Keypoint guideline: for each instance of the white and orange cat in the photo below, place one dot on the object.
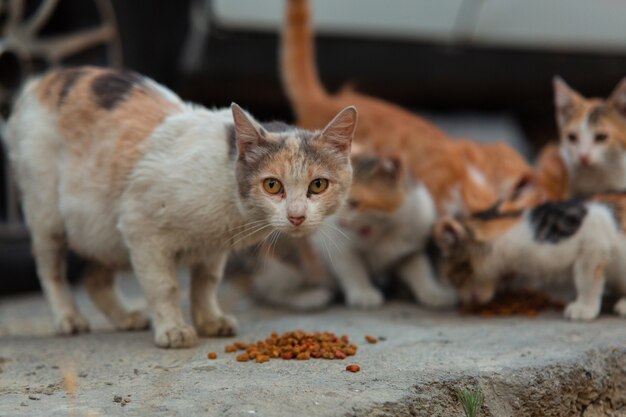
(462, 176)
(381, 231)
(579, 240)
(591, 155)
(120, 170)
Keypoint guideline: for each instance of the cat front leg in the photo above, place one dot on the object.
(208, 318)
(418, 274)
(355, 280)
(589, 279)
(156, 271)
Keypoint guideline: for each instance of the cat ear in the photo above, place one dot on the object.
(449, 234)
(248, 133)
(565, 99)
(340, 131)
(617, 99)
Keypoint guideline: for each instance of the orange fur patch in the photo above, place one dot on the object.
(91, 130)
(487, 231)
(375, 196)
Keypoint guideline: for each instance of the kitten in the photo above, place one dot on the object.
(592, 139)
(583, 240)
(462, 176)
(120, 170)
(383, 229)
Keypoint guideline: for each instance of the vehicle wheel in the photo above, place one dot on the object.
(36, 35)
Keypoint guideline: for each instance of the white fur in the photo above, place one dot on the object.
(597, 244)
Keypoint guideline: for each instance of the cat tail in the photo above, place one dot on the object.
(299, 75)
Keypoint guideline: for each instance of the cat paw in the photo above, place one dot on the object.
(312, 299)
(620, 307)
(134, 320)
(224, 326)
(581, 311)
(72, 324)
(440, 298)
(365, 298)
(182, 336)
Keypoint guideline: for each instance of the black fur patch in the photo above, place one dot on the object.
(69, 78)
(112, 88)
(557, 221)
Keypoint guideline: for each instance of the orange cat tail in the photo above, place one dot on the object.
(552, 173)
(298, 70)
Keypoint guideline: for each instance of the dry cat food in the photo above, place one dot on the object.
(353, 368)
(524, 302)
(212, 355)
(371, 339)
(298, 345)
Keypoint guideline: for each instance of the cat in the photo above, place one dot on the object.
(117, 168)
(382, 229)
(592, 141)
(462, 176)
(581, 239)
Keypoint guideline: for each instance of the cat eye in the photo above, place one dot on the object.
(272, 185)
(318, 185)
(600, 137)
(572, 137)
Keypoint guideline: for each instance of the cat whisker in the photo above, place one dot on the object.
(275, 241)
(245, 226)
(256, 230)
(337, 247)
(247, 229)
(341, 232)
(324, 238)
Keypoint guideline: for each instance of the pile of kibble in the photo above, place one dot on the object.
(521, 302)
(299, 345)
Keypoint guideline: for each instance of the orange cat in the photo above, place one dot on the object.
(463, 176)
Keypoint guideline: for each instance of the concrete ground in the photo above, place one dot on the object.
(526, 367)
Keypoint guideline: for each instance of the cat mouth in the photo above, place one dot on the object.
(365, 231)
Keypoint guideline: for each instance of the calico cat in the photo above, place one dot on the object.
(462, 176)
(582, 239)
(120, 170)
(592, 140)
(382, 229)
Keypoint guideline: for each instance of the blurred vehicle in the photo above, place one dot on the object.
(479, 54)
(493, 55)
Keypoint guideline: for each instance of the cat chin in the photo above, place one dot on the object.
(299, 232)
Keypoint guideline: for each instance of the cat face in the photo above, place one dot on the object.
(592, 131)
(378, 190)
(465, 246)
(293, 178)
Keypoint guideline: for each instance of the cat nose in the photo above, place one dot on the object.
(585, 160)
(296, 220)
